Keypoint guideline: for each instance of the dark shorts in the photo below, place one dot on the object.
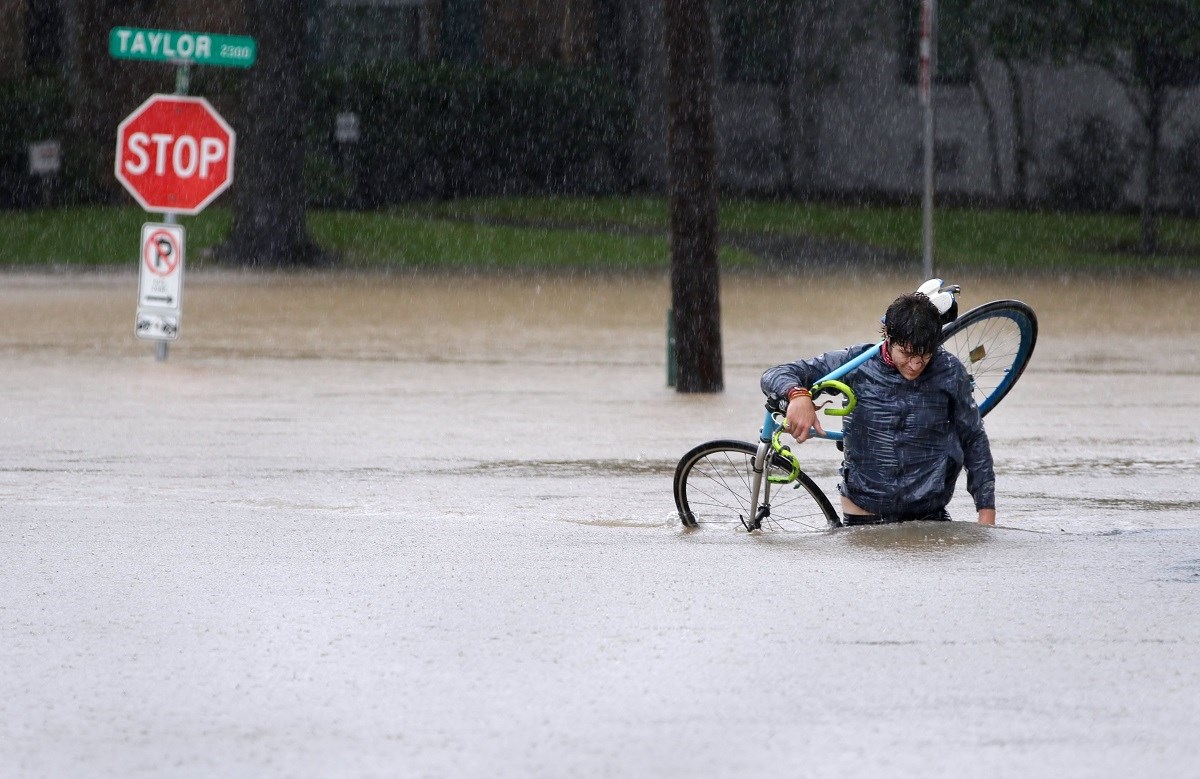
(941, 515)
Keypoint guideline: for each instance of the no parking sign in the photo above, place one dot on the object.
(160, 285)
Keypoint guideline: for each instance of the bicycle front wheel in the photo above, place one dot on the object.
(994, 342)
(713, 483)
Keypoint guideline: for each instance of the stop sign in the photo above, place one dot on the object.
(175, 154)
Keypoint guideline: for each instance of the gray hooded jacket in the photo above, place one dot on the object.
(906, 441)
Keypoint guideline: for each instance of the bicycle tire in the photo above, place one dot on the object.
(994, 343)
(712, 490)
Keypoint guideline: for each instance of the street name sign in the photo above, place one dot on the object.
(160, 282)
(175, 46)
(175, 154)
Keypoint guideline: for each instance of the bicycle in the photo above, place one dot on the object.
(721, 482)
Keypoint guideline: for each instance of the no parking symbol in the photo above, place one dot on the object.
(160, 284)
(162, 249)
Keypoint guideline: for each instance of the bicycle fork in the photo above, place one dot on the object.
(759, 484)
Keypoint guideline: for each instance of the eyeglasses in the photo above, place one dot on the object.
(902, 355)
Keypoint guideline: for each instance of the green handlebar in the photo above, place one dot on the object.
(786, 454)
(835, 387)
(828, 387)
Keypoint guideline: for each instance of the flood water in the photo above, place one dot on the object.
(423, 526)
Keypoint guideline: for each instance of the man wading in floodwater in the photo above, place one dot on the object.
(915, 427)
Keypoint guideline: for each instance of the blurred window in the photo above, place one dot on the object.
(948, 157)
(461, 37)
(359, 32)
(753, 40)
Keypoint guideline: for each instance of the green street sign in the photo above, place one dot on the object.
(195, 48)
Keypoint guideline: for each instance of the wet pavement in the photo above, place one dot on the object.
(422, 526)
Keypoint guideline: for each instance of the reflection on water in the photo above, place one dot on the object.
(1187, 571)
(576, 468)
(914, 536)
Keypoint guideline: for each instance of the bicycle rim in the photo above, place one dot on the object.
(994, 342)
(712, 490)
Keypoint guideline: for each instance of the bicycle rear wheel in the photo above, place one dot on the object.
(994, 342)
(712, 489)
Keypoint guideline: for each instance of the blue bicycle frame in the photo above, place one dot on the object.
(770, 426)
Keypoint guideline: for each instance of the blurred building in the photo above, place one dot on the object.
(853, 121)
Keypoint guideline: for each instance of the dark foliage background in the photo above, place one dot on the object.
(32, 111)
(1090, 166)
(443, 131)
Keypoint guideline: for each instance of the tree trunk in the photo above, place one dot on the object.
(787, 81)
(78, 133)
(89, 76)
(1153, 123)
(1020, 193)
(989, 113)
(819, 59)
(269, 227)
(691, 162)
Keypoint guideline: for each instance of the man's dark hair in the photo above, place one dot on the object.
(912, 321)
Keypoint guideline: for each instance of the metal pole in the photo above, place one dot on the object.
(161, 348)
(928, 69)
(181, 78)
(670, 348)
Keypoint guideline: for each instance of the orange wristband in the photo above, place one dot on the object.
(796, 392)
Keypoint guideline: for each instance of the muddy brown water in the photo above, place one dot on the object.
(422, 525)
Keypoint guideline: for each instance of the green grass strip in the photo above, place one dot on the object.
(375, 240)
(92, 237)
(620, 234)
(964, 238)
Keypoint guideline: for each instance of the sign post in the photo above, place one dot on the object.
(346, 133)
(175, 156)
(928, 63)
(45, 160)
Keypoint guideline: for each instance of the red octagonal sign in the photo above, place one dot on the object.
(175, 154)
